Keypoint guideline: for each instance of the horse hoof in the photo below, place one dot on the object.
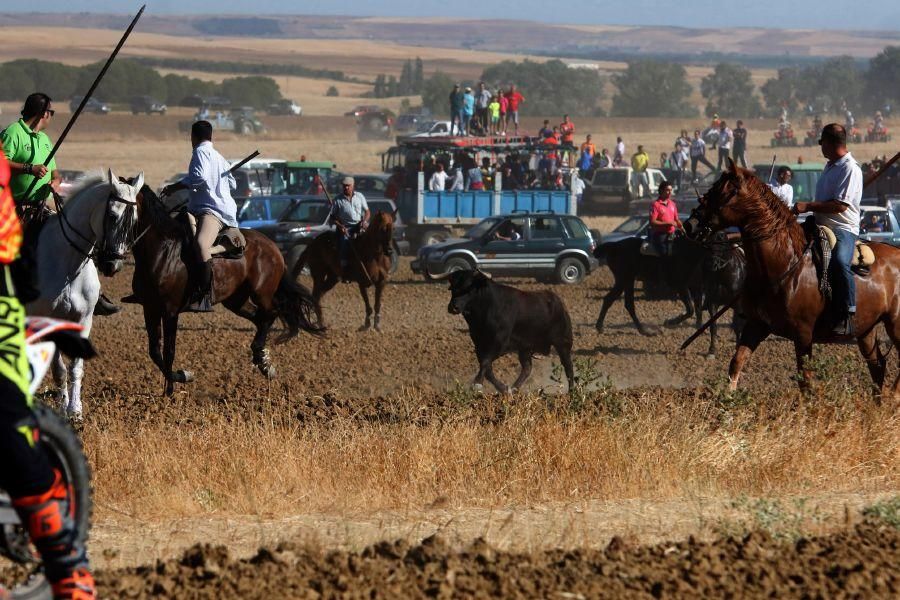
(599, 328)
(710, 356)
(182, 376)
(364, 327)
(268, 371)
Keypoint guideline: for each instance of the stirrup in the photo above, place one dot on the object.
(201, 305)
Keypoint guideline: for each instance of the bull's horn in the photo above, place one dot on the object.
(488, 275)
(431, 277)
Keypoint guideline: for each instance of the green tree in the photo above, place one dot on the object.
(17, 83)
(404, 88)
(729, 91)
(255, 91)
(125, 79)
(392, 88)
(781, 90)
(436, 93)
(178, 87)
(332, 91)
(827, 86)
(550, 88)
(883, 77)
(418, 76)
(652, 88)
(379, 90)
(57, 80)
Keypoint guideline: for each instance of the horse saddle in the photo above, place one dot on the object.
(862, 256)
(230, 242)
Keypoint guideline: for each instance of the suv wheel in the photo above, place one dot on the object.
(457, 264)
(570, 271)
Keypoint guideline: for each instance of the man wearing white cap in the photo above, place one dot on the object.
(350, 213)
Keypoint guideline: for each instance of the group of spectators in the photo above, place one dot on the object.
(484, 112)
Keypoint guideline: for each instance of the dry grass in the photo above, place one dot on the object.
(651, 446)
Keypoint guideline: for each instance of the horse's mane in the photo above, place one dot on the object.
(766, 212)
(155, 214)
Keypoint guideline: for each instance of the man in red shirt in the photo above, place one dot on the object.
(514, 98)
(567, 131)
(663, 220)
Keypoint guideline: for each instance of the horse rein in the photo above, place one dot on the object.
(60, 210)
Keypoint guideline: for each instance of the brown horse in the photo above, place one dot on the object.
(369, 265)
(252, 286)
(781, 295)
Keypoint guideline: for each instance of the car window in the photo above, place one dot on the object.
(509, 230)
(612, 177)
(480, 230)
(631, 225)
(576, 229)
(308, 212)
(875, 222)
(253, 210)
(277, 206)
(543, 228)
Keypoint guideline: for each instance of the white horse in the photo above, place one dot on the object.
(94, 226)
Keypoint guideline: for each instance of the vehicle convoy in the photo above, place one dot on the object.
(148, 105)
(432, 217)
(93, 105)
(43, 336)
(285, 106)
(548, 246)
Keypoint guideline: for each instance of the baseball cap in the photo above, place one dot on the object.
(347, 181)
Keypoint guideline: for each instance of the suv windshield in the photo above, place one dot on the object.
(616, 177)
(631, 225)
(480, 230)
(297, 180)
(308, 212)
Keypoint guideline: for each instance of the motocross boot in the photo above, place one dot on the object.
(50, 524)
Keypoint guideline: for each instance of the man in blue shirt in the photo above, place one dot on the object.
(350, 214)
(210, 183)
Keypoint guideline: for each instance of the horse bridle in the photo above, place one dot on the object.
(103, 253)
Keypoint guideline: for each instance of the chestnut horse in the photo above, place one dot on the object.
(369, 265)
(781, 295)
(253, 286)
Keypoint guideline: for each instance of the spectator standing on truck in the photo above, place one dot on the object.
(504, 111)
(640, 160)
(698, 154)
(726, 138)
(604, 161)
(456, 110)
(567, 131)
(545, 131)
(482, 100)
(514, 99)
(619, 155)
(739, 151)
(494, 112)
(438, 181)
(457, 184)
(468, 109)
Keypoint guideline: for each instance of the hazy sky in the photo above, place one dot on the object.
(831, 14)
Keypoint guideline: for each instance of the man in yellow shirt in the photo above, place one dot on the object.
(640, 160)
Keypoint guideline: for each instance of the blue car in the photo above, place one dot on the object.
(258, 211)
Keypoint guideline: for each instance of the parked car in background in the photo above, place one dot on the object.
(410, 122)
(258, 211)
(147, 104)
(879, 224)
(285, 106)
(362, 109)
(432, 129)
(93, 105)
(306, 219)
(375, 125)
(611, 190)
(546, 246)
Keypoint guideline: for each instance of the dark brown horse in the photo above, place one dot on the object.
(781, 295)
(252, 286)
(369, 265)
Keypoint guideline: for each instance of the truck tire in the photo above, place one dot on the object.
(434, 236)
(570, 271)
(457, 264)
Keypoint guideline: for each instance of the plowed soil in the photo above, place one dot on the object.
(859, 562)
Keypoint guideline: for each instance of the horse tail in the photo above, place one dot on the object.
(296, 309)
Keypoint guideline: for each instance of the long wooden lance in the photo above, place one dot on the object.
(87, 96)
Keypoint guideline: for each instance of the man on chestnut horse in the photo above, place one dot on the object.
(350, 214)
(210, 183)
(838, 197)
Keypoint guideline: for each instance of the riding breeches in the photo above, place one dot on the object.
(208, 228)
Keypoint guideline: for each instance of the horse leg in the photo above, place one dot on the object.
(565, 357)
(629, 306)
(170, 334)
(751, 337)
(893, 330)
(608, 301)
(875, 360)
(153, 325)
(261, 357)
(685, 296)
(803, 351)
(321, 284)
(76, 373)
(525, 361)
(379, 292)
(363, 291)
(61, 380)
(487, 366)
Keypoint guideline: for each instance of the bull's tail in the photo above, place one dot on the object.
(296, 309)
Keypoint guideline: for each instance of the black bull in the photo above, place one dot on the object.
(503, 319)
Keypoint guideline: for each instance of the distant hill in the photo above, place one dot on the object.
(598, 42)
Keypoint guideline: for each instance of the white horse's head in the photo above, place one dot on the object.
(112, 222)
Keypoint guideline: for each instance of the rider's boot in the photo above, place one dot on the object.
(50, 524)
(105, 306)
(202, 301)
